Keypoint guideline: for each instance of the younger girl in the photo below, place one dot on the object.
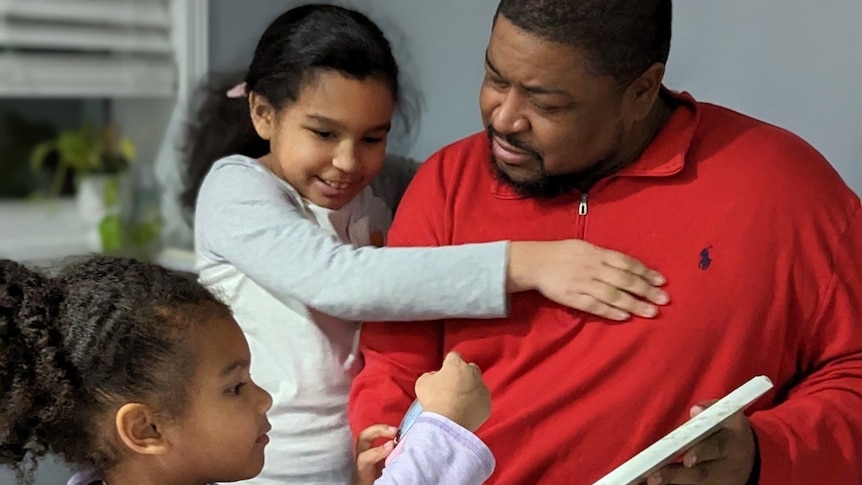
(285, 228)
(140, 376)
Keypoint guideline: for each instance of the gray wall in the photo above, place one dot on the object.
(794, 63)
(50, 472)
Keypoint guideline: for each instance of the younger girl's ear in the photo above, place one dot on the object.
(262, 115)
(140, 431)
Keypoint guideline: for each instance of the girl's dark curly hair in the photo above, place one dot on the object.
(75, 347)
(218, 126)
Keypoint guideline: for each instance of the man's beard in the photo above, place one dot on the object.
(548, 186)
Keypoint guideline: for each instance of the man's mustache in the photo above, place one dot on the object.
(512, 141)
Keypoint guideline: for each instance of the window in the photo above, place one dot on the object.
(68, 63)
(61, 61)
(25, 122)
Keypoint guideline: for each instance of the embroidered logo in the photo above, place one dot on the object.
(705, 259)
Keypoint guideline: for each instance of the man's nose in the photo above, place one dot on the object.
(508, 118)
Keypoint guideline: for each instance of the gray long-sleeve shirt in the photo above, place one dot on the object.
(298, 278)
(248, 218)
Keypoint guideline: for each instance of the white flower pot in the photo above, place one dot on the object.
(100, 199)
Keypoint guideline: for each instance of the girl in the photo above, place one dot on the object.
(285, 228)
(139, 375)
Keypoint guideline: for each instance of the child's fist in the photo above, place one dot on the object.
(457, 392)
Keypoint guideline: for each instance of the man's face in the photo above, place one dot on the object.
(551, 120)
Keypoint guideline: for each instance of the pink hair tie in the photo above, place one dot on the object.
(238, 91)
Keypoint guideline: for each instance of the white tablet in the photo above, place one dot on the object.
(665, 450)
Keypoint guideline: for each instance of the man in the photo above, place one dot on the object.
(760, 241)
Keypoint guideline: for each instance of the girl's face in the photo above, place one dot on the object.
(222, 435)
(331, 142)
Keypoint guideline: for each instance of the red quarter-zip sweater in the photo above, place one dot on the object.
(761, 243)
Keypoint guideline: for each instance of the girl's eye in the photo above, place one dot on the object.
(372, 140)
(234, 391)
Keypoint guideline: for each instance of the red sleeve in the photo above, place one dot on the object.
(397, 353)
(815, 436)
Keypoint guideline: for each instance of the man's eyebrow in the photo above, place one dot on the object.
(491, 65)
(529, 89)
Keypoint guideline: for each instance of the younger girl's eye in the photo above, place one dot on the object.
(234, 391)
(372, 140)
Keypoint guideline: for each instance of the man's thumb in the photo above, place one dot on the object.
(701, 407)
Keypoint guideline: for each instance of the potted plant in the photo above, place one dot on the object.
(98, 160)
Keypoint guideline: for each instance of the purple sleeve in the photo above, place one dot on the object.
(438, 451)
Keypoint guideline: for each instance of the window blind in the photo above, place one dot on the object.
(86, 48)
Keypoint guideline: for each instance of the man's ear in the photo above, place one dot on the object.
(140, 431)
(642, 93)
(263, 115)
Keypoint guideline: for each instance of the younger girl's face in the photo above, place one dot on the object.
(331, 142)
(223, 434)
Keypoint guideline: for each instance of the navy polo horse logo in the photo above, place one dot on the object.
(705, 259)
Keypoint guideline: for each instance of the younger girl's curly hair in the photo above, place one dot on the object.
(75, 347)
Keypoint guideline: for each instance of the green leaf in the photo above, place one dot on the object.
(40, 153)
(145, 232)
(127, 149)
(111, 233)
(111, 195)
(86, 150)
(76, 151)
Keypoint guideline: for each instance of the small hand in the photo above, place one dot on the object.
(456, 391)
(369, 458)
(724, 458)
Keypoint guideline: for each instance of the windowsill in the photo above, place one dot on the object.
(41, 230)
(44, 232)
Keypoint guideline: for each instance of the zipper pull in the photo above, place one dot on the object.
(582, 207)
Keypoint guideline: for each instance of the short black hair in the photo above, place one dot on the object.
(74, 346)
(622, 38)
